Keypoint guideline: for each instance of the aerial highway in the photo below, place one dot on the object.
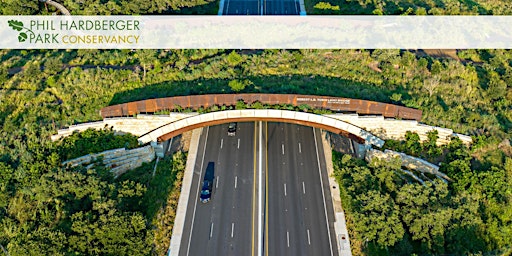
(297, 202)
(222, 226)
(268, 194)
(260, 7)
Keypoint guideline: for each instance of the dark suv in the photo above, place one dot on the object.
(231, 129)
(206, 192)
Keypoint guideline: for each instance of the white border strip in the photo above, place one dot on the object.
(279, 32)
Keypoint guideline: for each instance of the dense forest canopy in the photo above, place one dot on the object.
(408, 7)
(110, 7)
(332, 7)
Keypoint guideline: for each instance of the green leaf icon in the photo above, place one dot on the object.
(22, 37)
(16, 25)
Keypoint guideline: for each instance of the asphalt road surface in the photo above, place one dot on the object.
(295, 210)
(261, 7)
(296, 203)
(222, 226)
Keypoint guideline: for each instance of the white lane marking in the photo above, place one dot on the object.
(288, 238)
(282, 147)
(197, 193)
(232, 228)
(260, 194)
(303, 188)
(211, 230)
(323, 196)
(236, 180)
(285, 189)
(309, 239)
(300, 149)
(221, 142)
(238, 144)
(217, 182)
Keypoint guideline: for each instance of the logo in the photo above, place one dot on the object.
(86, 31)
(18, 26)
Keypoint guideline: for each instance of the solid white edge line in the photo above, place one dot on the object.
(323, 196)
(197, 193)
(260, 194)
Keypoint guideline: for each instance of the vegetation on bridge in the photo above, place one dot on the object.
(57, 88)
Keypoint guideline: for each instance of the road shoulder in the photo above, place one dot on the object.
(340, 227)
(179, 222)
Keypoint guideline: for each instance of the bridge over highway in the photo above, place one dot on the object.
(327, 123)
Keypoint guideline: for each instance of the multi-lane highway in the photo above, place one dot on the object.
(285, 211)
(222, 226)
(297, 211)
(260, 7)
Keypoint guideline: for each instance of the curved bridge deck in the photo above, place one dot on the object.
(327, 123)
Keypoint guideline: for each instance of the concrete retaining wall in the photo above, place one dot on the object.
(137, 126)
(409, 162)
(118, 160)
(386, 128)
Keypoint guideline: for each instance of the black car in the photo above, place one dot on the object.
(206, 192)
(231, 129)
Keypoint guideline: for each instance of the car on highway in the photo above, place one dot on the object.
(206, 192)
(231, 129)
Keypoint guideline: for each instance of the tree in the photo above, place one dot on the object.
(146, 57)
(497, 88)
(237, 85)
(430, 145)
(423, 213)
(233, 58)
(6, 175)
(53, 65)
(412, 143)
(3, 75)
(326, 8)
(19, 8)
(378, 218)
(431, 84)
